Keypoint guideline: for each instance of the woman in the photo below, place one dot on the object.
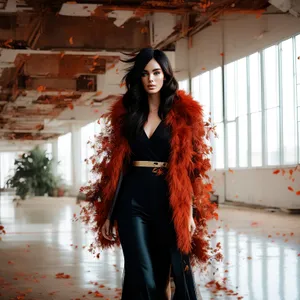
(151, 178)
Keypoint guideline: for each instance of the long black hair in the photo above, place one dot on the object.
(135, 99)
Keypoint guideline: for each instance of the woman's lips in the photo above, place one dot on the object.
(151, 86)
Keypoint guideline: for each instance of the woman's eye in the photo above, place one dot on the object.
(156, 73)
(144, 74)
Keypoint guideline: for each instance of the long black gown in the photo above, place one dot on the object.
(146, 229)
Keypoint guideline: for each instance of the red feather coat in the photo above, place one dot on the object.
(187, 179)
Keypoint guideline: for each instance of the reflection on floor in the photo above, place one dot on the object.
(261, 250)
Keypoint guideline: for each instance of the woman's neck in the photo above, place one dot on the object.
(154, 102)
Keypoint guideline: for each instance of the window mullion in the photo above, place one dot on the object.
(249, 114)
(263, 111)
(296, 116)
(280, 106)
(237, 119)
(225, 117)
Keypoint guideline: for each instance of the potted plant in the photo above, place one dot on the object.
(33, 174)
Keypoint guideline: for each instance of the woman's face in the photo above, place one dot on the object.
(152, 77)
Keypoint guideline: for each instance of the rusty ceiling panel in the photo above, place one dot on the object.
(64, 66)
(64, 32)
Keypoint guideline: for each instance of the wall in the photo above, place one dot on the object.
(237, 36)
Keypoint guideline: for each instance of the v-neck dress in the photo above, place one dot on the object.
(143, 191)
(145, 226)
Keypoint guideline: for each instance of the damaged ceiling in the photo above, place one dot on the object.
(60, 57)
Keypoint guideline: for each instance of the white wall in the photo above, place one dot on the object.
(237, 36)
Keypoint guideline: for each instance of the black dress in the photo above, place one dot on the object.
(146, 229)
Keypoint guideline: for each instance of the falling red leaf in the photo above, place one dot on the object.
(203, 69)
(222, 53)
(292, 233)
(290, 188)
(254, 224)
(71, 40)
(98, 93)
(291, 171)
(71, 106)
(41, 88)
(230, 170)
(269, 236)
(276, 171)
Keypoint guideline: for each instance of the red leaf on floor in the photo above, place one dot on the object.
(62, 275)
(101, 286)
(269, 236)
(282, 172)
(290, 188)
(254, 224)
(277, 233)
(98, 93)
(230, 170)
(226, 271)
(291, 172)
(292, 233)
(90, 292)
(298, 193)
(276, 171)
(98, 295)
(10, 262)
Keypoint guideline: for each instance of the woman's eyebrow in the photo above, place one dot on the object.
(157, 69)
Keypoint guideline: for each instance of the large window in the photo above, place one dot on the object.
(260, 122)
(254, 64)
(88, 133)
(65, 158)
(207, 89)
(7, 160)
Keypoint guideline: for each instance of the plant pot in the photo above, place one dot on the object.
(60, 192)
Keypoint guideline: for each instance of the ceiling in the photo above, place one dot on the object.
(59, 60)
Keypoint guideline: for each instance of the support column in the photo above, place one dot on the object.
(76, 159)
(55, 156)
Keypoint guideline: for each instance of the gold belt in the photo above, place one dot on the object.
(152, 164)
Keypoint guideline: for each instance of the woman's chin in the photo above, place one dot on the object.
(152, 92)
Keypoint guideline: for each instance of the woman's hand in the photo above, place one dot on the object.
(107, 231)
(192, 225)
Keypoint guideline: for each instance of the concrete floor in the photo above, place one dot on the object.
(261, 255)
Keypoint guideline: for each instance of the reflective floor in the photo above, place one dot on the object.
(261, 255)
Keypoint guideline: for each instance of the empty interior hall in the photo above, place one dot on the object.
(61, 72)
